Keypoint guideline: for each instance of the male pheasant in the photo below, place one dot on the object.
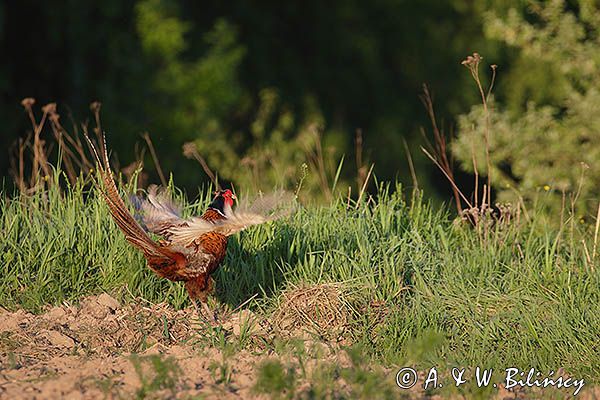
(191, 249)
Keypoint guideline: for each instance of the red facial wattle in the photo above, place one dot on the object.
(228, 196)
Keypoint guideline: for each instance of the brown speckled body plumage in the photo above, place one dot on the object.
(214, 243)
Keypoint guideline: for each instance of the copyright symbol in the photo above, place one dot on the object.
(406, 378)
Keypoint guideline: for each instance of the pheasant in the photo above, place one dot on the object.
(190, 249)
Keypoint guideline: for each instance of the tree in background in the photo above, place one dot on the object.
(545, 135)
(201, 102)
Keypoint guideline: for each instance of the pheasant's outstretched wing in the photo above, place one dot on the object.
(265, 208)
(157, 212)
(161, 259)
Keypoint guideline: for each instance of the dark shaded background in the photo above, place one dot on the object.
(364, 63)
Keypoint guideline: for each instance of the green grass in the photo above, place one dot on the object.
(523, 296)
(159, 374)
(327, 380)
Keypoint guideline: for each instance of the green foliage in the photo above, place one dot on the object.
(161, 34)
(155, 373)
(547, 135)
(326, 380)
(188, 71)
(280, 153)
(275, 379)
(364, 382)
(202, 100)
(189, 98)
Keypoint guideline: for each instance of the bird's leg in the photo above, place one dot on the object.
(204, 299)
(209, 314)
(194, 290)
(198, 313)
(198, 291)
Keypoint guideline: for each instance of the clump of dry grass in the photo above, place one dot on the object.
(318, 309)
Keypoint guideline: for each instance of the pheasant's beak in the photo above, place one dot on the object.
(233, 197)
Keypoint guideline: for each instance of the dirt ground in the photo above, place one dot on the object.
(102, 350)
(85, 352)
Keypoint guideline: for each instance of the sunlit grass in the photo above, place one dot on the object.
(522, 296)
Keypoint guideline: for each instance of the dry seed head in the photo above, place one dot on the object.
(49, 108)
(189, 149)
(472, 61)
(27, 102)
(95, 106)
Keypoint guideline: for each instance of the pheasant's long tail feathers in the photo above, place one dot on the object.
(126, 222)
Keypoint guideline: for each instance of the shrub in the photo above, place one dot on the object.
(547, 142)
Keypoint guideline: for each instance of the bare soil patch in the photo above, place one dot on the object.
(99, 349)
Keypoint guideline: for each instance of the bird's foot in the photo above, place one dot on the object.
(205, 315)
(211, 316)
